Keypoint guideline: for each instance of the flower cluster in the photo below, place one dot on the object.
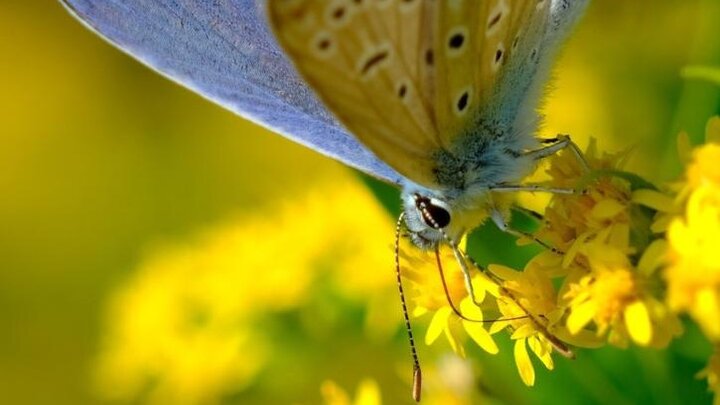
(628, 260)
(190, 326)
(689, 215)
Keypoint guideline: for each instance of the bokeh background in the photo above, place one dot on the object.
(156, 248)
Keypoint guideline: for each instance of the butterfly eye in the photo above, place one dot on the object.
(434, 213)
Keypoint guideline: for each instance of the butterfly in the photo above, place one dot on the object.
(439, 97)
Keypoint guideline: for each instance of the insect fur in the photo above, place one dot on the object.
(496, 151)
(467, 174)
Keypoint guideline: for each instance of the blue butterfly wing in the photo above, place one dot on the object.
(223, 50)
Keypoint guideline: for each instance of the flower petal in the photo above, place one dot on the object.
(481, 336)
(637, 322)
(607, 208)
(504, 272)
(481, 282)
(438, 323)
(498, 325)
(542, 350)
(652, 258)
(524, 366)
(419, 311)
(454, 344)
(654, 199)
(577, 244)
(580, 316)
(470, 310)
(706, 312)
(523, 331)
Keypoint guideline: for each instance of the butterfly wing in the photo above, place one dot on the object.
(364, 60)
(409, 77)
(223, 50)
(525, 75)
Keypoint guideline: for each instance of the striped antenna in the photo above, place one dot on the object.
(417, 373)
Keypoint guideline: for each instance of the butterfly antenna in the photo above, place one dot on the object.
(417, 373)
(462, 259)
(557, 344)
(463, 266)
(452, 304)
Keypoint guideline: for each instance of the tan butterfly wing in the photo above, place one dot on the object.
(407, 77)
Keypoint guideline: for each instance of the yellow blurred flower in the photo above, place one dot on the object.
(693, 233)
(449, 381)
(182, 330)
(693, 275)
(368, 393)
(689, 215)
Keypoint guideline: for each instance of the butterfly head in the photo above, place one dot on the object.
(427, 219)
(432, 219)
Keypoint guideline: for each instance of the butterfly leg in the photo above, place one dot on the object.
(559, 345)
(529, 213)
(555, 145)
(499, 220)
(513, 188)
(466, 273)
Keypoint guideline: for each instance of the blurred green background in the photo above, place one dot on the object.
(103, 163)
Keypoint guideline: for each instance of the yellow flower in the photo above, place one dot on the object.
(599, 232)
(429, 297)
(182, 330)
(603, 209)
(693, 275)
(693, 272)
(449, 380)
(616, 298)
(701, 169)
(712, 373)
(368, 393)
(528, 297)
(666, 206)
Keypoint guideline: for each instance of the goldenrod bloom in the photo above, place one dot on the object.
(529, 296)
(428, 296)
(693, 275)
(602, 211)
(616, 298)
(693, 233)
(183, 331)
(694, 272)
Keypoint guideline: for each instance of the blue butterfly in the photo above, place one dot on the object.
(437, 97)
(450, 89)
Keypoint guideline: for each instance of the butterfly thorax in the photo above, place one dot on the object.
(465, 199)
